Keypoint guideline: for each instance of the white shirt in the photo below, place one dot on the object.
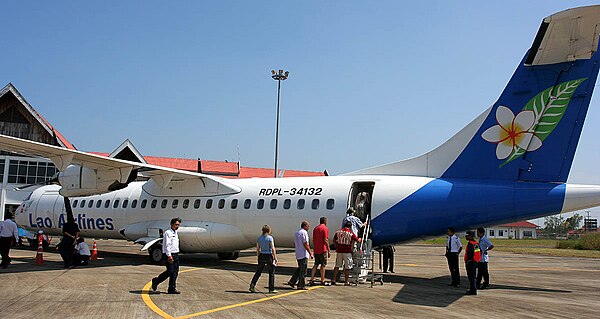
(83, 249)
(170, 242)
(453, 244)
(484, 245)
(8, 228)
(301, 237)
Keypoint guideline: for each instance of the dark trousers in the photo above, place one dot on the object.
(300, 273)
(265, 260)
(5, 243)
(79, 260)
(472, 274)
(171, 272)
(388, 258)
(453, 266)
(482, 272)
(66, 251)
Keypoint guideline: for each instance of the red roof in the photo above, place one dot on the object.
(523, 224)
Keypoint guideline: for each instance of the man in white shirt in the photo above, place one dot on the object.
(482, 266)
(170, 248)
(303, 252)
(453, 249)
(8, 231)
(82, 254)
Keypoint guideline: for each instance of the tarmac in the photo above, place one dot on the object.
(116, 286)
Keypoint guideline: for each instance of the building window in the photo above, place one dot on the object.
(98, 203)
(164, 203)
(197, 204)
(153, 203)
(247, 203)
(208, 203)
(300, 204)
(221, 203)
(175, 203)
(134, 203)
(273, 204)
(315, 204)
(528, 233)
(330, 203)
(501, 232)
(186, 203)
(260, 203)
(491, 233)
(144, 203)
(287, 203)
(234, 203)
(107, 203)
(29, 172)
(91, 203)
(116, 203)
(125, 202)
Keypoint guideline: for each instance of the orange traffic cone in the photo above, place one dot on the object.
(94, 252)
(39, 259)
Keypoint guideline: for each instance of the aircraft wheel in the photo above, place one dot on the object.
(229, 255)
(155, 253)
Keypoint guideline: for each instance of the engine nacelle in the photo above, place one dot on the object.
(84, 181)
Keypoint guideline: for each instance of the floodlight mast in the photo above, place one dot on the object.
(278, 76)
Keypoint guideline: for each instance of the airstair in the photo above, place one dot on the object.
(363, 270)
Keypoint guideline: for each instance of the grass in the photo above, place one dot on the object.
(547, 247)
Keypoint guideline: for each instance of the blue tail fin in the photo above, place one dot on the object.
(532, 131)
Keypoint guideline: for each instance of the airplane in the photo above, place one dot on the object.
(510, 163)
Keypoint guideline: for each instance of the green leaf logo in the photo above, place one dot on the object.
(526, 131)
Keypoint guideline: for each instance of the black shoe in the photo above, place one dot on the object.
(154, 284)
(4, 266)
(392, 271)
(174, 292)
(484, 286)
(471, 293)
(456, 286)
(451, 284)
(290, 284)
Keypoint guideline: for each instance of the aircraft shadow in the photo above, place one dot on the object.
(435, 292)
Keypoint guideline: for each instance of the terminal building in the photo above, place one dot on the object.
(19, 119)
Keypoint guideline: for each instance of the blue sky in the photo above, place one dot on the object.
(370, 82)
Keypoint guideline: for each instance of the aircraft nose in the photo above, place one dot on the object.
(21, 214)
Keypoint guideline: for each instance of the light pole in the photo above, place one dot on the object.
(278, 76)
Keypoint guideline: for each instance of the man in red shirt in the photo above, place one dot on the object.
(344, 241)
(321, 249)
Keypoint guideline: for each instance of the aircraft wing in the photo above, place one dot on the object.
(62, 158)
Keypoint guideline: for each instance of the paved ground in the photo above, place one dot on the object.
(113, 287)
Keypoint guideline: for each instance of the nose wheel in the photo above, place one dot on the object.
(229, 255)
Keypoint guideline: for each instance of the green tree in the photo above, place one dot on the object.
(573, 222)
(553, 224)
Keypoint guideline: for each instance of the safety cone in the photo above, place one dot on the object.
(94, 252)
(39, 259)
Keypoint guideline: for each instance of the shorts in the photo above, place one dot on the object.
(321, 259)
(343, 259)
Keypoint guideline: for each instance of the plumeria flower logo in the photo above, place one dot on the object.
(512, 132)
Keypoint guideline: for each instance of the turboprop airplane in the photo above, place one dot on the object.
(510, 163)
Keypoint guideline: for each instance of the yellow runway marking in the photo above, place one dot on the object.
(148, 301)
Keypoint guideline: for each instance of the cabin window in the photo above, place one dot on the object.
(315, 204)
(208, 203)
(234, 203)
(260, 203)
(75, 203)
(91, 203)
(287, 203)
(175, 203)
(144, 203)
(82, 205)
(107, 203)
(330, 203)
(116, 203)
(98, 203)
(197, 204)
(134, 203)
(125, 202)
(153, 203)
(164, 203)
(221, 203)
(273, 204)
(186, 203)
(300, 204)
(247, 203)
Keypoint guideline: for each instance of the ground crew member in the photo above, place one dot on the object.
(453, 249)
(170, 250)
(321, 249)
(82, 254)
(388, 258)
(8, 231)
(472, 257)
(67, 243)
(482, 267)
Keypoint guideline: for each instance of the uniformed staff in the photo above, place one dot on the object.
(8, 230)
(482, 267)
(472, 257)
(171, 258)
(453, 248)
